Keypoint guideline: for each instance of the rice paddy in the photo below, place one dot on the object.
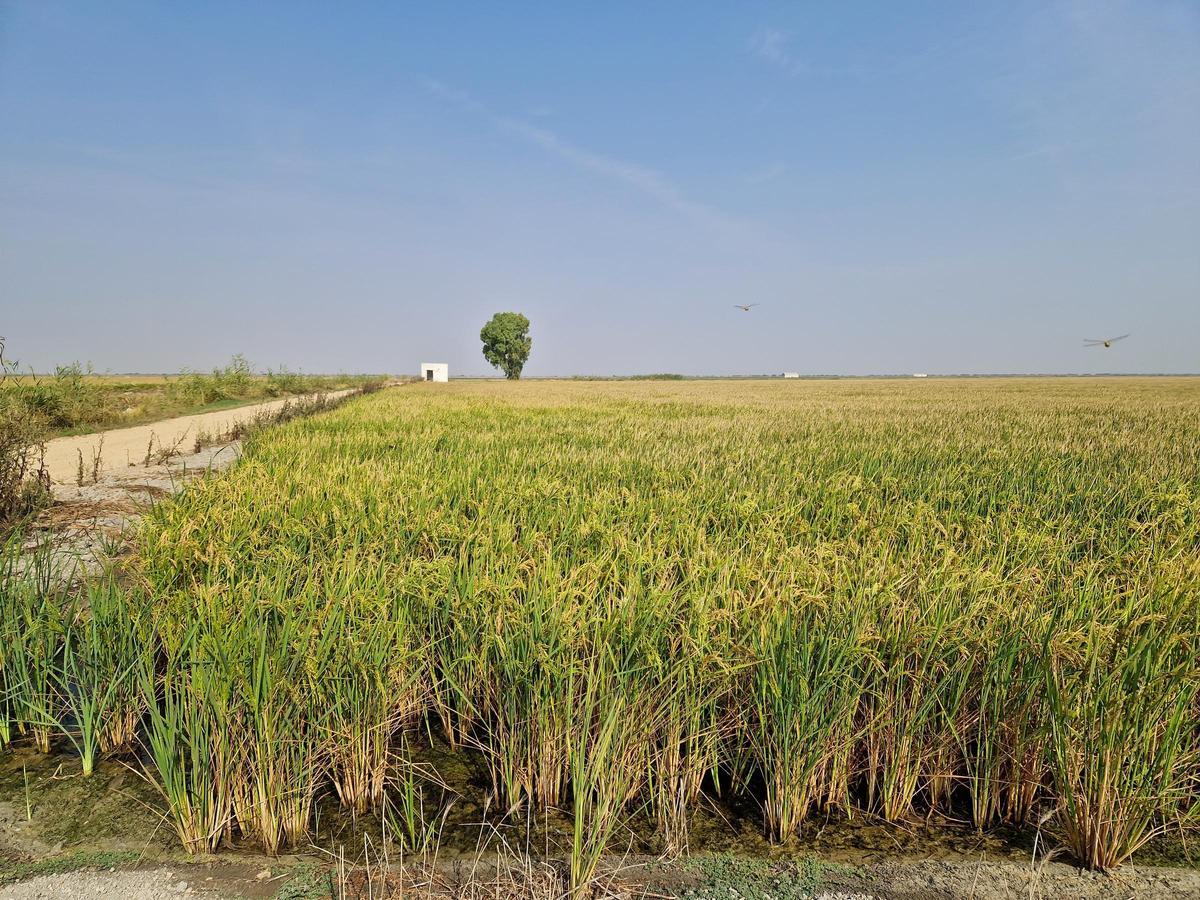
(970, 599)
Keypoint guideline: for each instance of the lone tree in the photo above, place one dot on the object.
(506, 342)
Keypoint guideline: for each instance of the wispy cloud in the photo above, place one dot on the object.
(643, 179)
(777, 48)
(771, 44)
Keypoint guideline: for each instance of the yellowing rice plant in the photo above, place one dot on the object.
(976, 598)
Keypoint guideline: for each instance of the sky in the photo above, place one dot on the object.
(902, 187)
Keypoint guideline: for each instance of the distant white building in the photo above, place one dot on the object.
(435, 372)
(920, 375)
(791, 374)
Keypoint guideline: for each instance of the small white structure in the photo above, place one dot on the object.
(920, 375)
(435, 372)
(791, 374)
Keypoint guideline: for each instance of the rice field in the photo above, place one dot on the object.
(969, 599)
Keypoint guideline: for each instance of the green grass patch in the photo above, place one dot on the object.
(308, 882)
(726, 876)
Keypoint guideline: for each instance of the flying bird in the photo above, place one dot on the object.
(1103, 342)
(744, 307)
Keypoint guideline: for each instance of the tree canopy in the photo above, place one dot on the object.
(506, 342)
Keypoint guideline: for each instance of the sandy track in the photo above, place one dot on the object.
(127, 446)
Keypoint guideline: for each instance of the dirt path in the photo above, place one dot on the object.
(156, 885)
(214, 881)
(125, 447)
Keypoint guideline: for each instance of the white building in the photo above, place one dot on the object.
(920, 375)
(791, 374)
(435, 372)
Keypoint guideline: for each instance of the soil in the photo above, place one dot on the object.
(200, 879)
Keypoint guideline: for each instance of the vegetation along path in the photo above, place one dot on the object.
(123, 447)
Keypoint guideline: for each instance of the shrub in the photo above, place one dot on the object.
(24, 483)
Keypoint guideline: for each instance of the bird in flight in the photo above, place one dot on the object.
(1103, 342)
(744, 307)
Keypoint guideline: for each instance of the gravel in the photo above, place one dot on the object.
(156, 884)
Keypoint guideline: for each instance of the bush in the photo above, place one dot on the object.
(24, 483)
(230, 382)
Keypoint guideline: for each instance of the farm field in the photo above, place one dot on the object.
(624, 604)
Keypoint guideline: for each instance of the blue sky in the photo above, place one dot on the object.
(902, 187)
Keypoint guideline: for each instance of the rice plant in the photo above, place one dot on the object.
(32, 635)
(973, 599)
(806, 686)
(97, 681)
(1122, 730)
(190, 733)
